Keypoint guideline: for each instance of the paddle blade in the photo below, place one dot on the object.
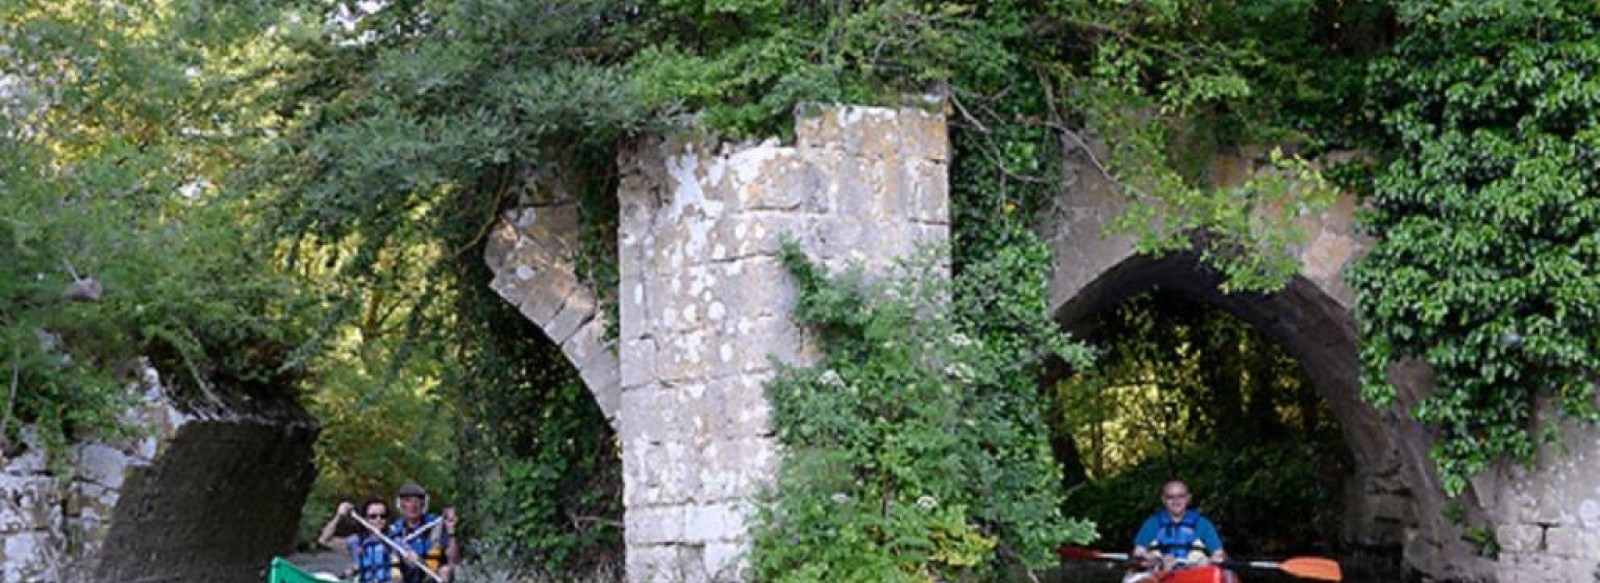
(1313, 568)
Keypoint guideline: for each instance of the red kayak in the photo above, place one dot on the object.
(1206, 574)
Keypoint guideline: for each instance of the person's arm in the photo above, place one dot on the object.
(326, 538)
(352, 545)
(1208, 536)
(452, 549)
(1147, 532)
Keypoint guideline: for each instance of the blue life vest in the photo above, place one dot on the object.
(375, 562)
(1178, 538)
(429, 546)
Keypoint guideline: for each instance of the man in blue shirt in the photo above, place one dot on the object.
(1176, 533)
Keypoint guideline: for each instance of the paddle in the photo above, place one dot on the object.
(418, 532)
(404, 552)
(1303, 567)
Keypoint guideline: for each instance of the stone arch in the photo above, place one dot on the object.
(533, 252)
(1312, 318)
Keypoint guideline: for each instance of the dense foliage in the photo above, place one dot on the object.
(1489, 266)
(119, 126)
(399, 152)
(1268, 498)
(914, 450)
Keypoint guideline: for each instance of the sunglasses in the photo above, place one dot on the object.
(377, 516)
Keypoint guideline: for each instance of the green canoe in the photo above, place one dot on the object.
(283, 571)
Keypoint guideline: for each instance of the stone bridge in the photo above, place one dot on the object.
(704, 302)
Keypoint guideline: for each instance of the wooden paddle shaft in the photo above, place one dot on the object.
(418, 532)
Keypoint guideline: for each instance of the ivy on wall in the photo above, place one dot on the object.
(1488, 212)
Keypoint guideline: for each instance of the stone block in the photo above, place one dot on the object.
(1520, 538)
(859, 187)
(734, 469)
(585, 343)
(633, 307)
(652, 414)
(745, 410)
(553, 229)
(685, 357)
(577, 309)
(103, 464)
(927, 196)
(31, 461)
(648, 525)
(602, 377)
(927, 234)
(30, 557)
(501, 242)
(1544, 569)
(546, 291)
(1576, 542)
(868, 132)
(657, 474)
(726, 561)
(665, 563)
(720, 522)
(773, 178)
(756, 287)
(924, 135)
(638, 362)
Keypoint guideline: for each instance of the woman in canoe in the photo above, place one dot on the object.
(371, 560)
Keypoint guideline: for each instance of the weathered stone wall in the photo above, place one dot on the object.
(195, 496)
(1547, 517)
(706, 307)
(705, 304)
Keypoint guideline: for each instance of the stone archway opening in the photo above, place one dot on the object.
(1319, 333)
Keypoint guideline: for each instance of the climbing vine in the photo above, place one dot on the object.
(1488, 212)
(915, 448)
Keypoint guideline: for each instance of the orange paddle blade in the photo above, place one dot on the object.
(1313, 568)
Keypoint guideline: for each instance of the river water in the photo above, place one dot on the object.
(1112, 573)
(1086, 572)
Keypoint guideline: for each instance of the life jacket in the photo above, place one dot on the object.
(429, 545)
(1178, 538)
(375, 562)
